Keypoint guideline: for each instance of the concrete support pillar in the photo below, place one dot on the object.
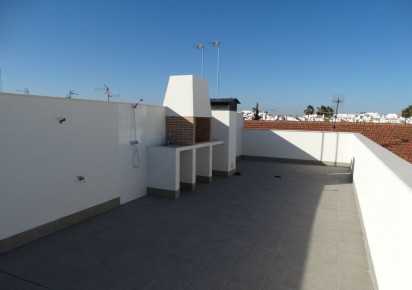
(188, 169)
(163, 172)
(204, 164)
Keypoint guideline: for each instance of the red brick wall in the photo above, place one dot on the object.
(188, 130)
(397, 138)
(180, 130)
(203, 126)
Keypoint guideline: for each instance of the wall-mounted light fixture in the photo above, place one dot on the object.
(135, 105)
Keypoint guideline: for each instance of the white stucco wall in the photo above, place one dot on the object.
(224, 128)
(40, 158)
(149, 130)
(239, 131)
(164, 162)
(328, 147)
(383, 183)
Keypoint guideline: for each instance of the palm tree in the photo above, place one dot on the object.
(326, 111)
(407, 112)
(309, 110)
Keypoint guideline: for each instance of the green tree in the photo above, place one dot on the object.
(407, 112)
(326, 111)
(309, 110)
(256, 112)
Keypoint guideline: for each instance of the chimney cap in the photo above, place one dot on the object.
(226, 104)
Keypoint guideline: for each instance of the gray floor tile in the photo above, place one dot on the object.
(223, 263)
(248, 275)
(184, 271)
(283, 276)
(243, 239)
(211, 246)
(271, 246)
(165, 282)
(300, 231)
(62, 278)
(213, 278)
(196, 286)
(318, 281)
(92, 283)
(234, 251)
(352, 278)
(260, 257)
(10, 283)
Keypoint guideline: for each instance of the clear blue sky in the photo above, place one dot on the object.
(283, 54)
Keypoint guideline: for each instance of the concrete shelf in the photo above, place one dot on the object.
(175, 167)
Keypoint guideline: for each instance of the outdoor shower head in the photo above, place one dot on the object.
(135, 105)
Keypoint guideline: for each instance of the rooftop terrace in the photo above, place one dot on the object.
(275, 226)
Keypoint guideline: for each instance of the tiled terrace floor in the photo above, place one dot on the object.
(299, 230)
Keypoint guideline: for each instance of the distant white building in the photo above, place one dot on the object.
(371, 117)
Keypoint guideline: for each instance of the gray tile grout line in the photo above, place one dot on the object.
(296, 200)
(22, 279)
(234, 270)
(281, 243)
(338, 244)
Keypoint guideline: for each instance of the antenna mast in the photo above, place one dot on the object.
(217, 43)
(25, 91)
(71, 92)
(200, 46)
(107, 92)
(337, 101)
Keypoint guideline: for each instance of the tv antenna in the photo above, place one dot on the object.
(25, 91)
(107, 92)
(71, 93)
(271, 110)
(337, 101)
(200, 46)
(217, 44)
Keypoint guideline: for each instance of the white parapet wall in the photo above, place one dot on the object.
(330, 148)
(383, 184)
(239, 131)
(47, 143)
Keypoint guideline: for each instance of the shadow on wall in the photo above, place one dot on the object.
(296, 147)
